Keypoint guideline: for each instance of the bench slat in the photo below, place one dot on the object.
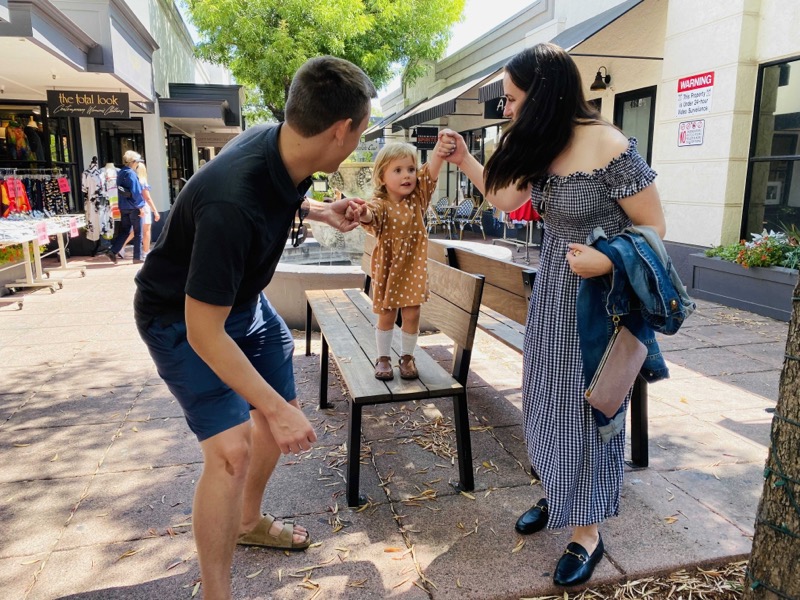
(330, 310)
(433, 382)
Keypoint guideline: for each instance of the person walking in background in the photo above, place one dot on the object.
(395, 216)
(131, 208)
(580, 172)
(219, 345)
(150, 211)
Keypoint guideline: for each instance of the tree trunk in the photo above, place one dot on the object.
(774, 568)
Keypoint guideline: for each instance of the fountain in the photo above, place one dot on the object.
(329, 260)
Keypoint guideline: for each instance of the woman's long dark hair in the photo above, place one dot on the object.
(544, 123)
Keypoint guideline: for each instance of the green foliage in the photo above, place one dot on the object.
(767, 249)
(264, 42)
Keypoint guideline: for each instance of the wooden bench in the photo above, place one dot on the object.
(347, 328)
(506, 295)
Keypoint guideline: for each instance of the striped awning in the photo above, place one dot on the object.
(376, 131)
(568, 40)
(444, 103)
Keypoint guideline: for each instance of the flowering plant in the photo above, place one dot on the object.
(767, 249)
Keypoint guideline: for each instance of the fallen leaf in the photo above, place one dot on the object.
(128, 553)
(251, 575)
(520, 545)
(393, 549)
(357, 584)
(21, 445)
(397, 585)
(468, 495)
(135, 429)
(315, 545)
(55, 458)
(196, 589)
(31, 562)
(175, 564)
(671, 520)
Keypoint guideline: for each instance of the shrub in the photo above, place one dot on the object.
(767, 249)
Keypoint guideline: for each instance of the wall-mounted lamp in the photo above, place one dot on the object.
(600, 82)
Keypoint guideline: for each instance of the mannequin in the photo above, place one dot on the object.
(34, 139)
(110, 185)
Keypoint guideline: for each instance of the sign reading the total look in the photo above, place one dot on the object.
(690, 133)
(93, 105)
(694, 94)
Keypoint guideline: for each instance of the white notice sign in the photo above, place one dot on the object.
(694, 94)
(690, 133)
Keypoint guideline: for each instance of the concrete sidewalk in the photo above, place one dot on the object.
(98, 468)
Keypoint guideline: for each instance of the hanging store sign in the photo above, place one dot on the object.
(694, 94)
(426, 137)
(493, 109)
(690, 133)
(91, 105)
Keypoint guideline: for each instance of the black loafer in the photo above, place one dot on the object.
(534, 519)
(575, 565)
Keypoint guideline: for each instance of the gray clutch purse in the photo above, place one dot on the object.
(616, 372)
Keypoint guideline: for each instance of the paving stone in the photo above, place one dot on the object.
(54, 452)
(68, 407)
(154, 443)
(765, 383)
(34, 514)
(133, 505)
(17, 573)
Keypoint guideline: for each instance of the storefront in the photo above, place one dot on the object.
(709, 91)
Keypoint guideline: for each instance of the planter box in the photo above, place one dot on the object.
(765, 291)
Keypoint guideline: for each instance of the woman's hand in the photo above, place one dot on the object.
(587, 262)
(156, 216)
(459, 150)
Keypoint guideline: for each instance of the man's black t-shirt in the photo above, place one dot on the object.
(226, 231)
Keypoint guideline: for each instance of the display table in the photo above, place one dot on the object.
(27, 233)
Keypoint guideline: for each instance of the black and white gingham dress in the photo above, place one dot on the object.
(581, 475)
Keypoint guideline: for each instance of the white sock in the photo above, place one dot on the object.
(383, 340)
(408, 341)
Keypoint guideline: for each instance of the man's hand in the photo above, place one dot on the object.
(290, 428)
(342, 214)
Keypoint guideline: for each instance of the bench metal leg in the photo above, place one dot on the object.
(353, 455)
(463, 443)
(640, 454)
(308, 329)
(323, 374)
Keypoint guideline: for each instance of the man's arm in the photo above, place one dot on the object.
(205, 330)
(335, 213)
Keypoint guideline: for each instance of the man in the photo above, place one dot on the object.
(131, 208)
(217, 342)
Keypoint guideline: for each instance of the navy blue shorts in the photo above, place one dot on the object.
(210, 406)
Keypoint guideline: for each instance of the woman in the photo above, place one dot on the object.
(150, 211)
(581, 173)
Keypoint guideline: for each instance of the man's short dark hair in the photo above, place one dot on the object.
(326, 90)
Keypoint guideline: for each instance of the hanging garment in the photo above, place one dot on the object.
(35, 142)
(54, 200)
(110, 186)
(17, 143)
(99, 222)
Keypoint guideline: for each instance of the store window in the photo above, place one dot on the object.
(37, 148)
(773, 182)
(179, 162)
(116, 137)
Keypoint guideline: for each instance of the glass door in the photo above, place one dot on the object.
(635, 114)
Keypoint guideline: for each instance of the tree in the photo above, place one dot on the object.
(775, 559)
(264, 42)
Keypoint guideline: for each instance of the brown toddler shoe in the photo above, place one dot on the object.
(383, 368)
(408, 369)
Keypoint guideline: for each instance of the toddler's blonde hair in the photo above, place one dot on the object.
(391, 151)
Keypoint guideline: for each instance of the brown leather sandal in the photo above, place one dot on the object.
(408, 368)
(383, 368)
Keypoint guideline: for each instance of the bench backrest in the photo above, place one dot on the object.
(507, 287)
(453, 306)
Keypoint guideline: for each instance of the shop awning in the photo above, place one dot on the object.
(4, 14)
(444, 103)
(376, 131)
(567, 39)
